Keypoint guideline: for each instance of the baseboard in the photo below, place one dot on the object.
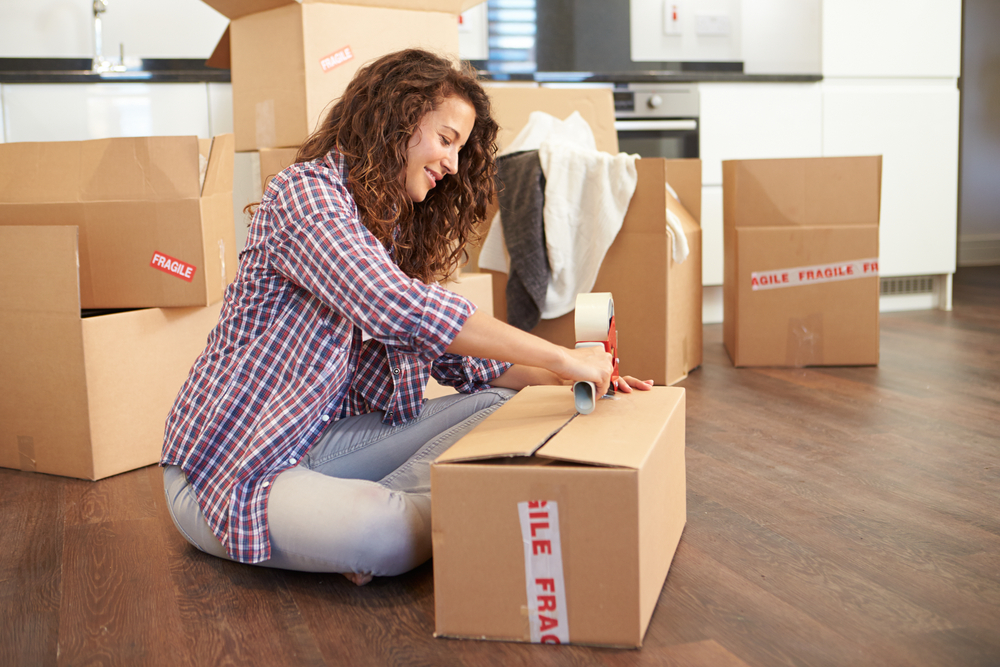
(979, 250)
(899, 293)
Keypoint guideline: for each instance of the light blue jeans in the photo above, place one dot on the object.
(359, 501)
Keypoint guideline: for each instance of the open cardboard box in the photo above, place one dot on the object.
(86, 396)
(155, 229)
(800, 282)
(554, 527)
(291, 58)
(657, 301)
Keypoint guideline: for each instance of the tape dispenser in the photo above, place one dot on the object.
(595, 327)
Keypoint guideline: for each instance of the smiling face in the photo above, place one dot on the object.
(433, 150)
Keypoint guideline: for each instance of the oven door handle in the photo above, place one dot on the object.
(655, 125)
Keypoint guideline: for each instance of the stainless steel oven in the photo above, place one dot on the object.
(657, 119)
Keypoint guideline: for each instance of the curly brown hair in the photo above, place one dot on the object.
(371, 126)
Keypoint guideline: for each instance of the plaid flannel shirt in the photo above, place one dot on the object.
(320, 324)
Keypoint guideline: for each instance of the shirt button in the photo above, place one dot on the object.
(395, 371)
(292, 460)
(266, 484)
(389, 415)
(325, 418)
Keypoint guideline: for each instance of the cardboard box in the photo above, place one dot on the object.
(657, 301)
(273, 161)
(800, 282)
(85, 396)
(603, 510)
(152, 232)
(291, 58)
(477, 288)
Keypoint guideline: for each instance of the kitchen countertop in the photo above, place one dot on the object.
(654, 76)
(190, 70)
(78, 70)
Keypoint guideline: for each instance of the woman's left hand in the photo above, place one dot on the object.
(626, 383)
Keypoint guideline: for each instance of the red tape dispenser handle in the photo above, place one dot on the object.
(595, 326)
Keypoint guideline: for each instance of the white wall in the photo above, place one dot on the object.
(655, 36)
(782, 36)
(146, 28)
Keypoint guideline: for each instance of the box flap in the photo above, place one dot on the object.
(118, 169)
(518, 428)
(805, 191)
(513, 105)
(234, 9)
(598, 438)
(219, 174)
(39, 270)
(221, 56)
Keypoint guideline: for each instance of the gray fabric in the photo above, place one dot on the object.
(359, 501)
(521, 201)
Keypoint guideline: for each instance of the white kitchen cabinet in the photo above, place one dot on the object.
(75, 112)
(753, 120)
(711, 235)
(892, 38)
(740, 121)
(913, 124)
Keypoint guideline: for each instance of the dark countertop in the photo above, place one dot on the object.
(189, 70)
(78, 70)
(660, 76)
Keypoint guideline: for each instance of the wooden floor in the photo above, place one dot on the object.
(839, 516)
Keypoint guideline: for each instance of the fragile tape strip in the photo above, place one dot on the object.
(810, 275)
(543, 572)
(174, 267)
(336, 59)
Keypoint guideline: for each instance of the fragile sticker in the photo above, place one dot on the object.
(336, 59)
(543, 572)
(174, 267)
(810, 275)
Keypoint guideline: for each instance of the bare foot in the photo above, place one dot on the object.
(358, 578)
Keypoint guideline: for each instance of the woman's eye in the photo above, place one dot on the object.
(445, 141)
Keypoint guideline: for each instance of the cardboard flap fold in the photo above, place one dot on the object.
(39, 270)
(601, 441)
(219, 175)
(221, 56)
(518, 428)
(807, 191)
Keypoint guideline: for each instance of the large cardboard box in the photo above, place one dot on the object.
(556, 528)
(84, 396)
(657, 301)
(800, 283)
(155, 213)
(291, 58)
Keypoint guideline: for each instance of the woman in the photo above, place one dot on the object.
(301, 439)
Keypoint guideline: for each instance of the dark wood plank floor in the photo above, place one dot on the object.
(838, 516)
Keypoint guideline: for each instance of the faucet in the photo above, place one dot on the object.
(100, 63)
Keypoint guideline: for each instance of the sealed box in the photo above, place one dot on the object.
(553, 527)
(87, 394)
(291, 58)
(658, 301)
(155, 213)
(800, 282)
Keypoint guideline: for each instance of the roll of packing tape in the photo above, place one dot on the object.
(585, 397)
(594, 311)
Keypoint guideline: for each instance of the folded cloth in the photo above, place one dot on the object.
(540, 127)
(676, 231)
(521, 201)
(586, 194)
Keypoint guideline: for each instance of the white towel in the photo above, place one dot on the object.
(587, 193)
(676, 231)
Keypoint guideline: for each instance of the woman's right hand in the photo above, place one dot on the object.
(589, 364)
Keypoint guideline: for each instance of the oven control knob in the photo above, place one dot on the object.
(654, 101)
